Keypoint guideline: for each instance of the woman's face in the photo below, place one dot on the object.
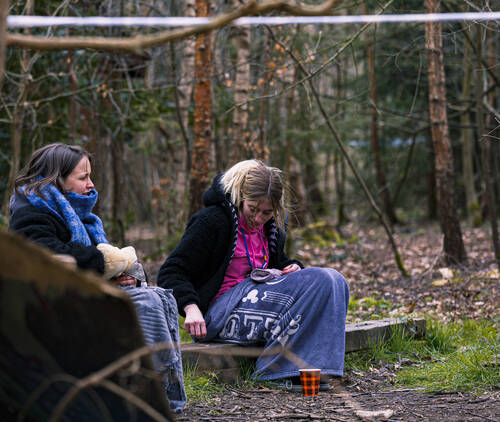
(78, 181)
(257, 213)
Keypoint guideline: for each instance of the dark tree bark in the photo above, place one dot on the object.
(73, 106)
(4, 11)
(339, 162)
(241, 147)
(263, 150)
(314, 196)
(381, 180)
(16, 132)
(292, 166)
(202, 108)
(467, 133)
(339, 171)
(486, 157)
(117, 159)
(432, 212)
(450, 226)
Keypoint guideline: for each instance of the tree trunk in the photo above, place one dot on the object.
(381, 181)
(73, 106)
(263, 150)
(202, 120)
(241, 146)
(339, 162)
(292, 167)
(314, 196)
(4, 11)
(291, 74)
(339, 171)
(467, 136)
(117, 159)
(485, 144)
(450, 225)
(294, 177)
(432, 212)
(16, 134)
(185, 90)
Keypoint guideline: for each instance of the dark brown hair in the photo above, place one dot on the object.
(50, 164)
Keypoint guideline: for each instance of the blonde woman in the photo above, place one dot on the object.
(234, 283)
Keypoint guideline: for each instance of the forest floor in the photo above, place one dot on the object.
(378, 290)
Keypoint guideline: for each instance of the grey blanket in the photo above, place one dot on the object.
(157, 312)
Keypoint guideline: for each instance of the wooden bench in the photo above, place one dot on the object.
(225, 360)
(59, 326)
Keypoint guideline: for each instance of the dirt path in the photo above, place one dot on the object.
(346, 403)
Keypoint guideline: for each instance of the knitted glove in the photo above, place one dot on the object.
(116, 260)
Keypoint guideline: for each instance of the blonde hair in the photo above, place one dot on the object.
(252, 180)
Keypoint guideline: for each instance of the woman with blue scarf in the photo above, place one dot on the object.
(52, 206)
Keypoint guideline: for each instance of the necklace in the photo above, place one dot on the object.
(248, 253)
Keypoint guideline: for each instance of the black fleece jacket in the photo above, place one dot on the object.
(47, 230)
(196, 268)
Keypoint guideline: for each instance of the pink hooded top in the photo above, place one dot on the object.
(258, 254)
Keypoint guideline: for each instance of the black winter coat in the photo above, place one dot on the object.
(196, 268)
(47, 230)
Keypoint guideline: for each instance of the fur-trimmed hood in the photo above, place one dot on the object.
(214, 195)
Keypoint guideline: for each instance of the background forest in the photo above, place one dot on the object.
(162, 122)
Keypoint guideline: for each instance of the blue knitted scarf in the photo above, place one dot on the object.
(74, 210)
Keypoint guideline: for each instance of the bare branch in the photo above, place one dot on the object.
(491, 109)
(138, 43)
(130, 397)
(4, 11)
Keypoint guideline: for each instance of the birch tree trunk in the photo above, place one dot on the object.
(202, 114)
(241, 146)
(450, 226)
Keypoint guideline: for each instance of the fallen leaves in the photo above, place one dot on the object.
(447, 293)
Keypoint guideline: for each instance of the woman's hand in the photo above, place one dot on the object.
(290, 269)
(194, 323)
(124, 280)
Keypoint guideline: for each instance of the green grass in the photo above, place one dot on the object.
(201, 388)
(204, 388)
(461, 356)
(370, 307)
(185, 337)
